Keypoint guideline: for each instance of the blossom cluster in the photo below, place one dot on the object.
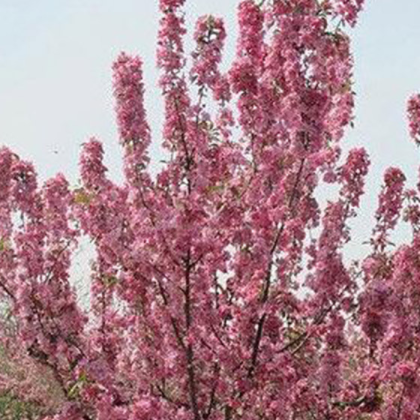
(220, 288)
(413, 110)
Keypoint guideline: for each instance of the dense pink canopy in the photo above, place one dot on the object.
(219, 289)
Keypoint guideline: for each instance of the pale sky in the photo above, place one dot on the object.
(55, 79)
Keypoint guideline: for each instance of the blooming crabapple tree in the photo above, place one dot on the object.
(219, 288)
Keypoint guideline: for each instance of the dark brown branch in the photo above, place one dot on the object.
(267, 281)
(168, 398)
(400, 402)
(192, 386)
(174, 324)
(306, 335)
(6, 288)
(57, 259)
(212, 399)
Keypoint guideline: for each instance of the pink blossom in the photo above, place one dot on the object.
(209, 36)
(129, 91)
(220, 286)
(413, 110)
(91, 164)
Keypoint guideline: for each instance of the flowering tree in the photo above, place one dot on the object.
(219, 288)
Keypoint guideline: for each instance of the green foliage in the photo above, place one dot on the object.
(14, 408)
(11, 408)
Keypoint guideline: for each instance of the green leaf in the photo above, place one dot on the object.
(75, 389)
(82, 197)
(4, 244)
(109, 281)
